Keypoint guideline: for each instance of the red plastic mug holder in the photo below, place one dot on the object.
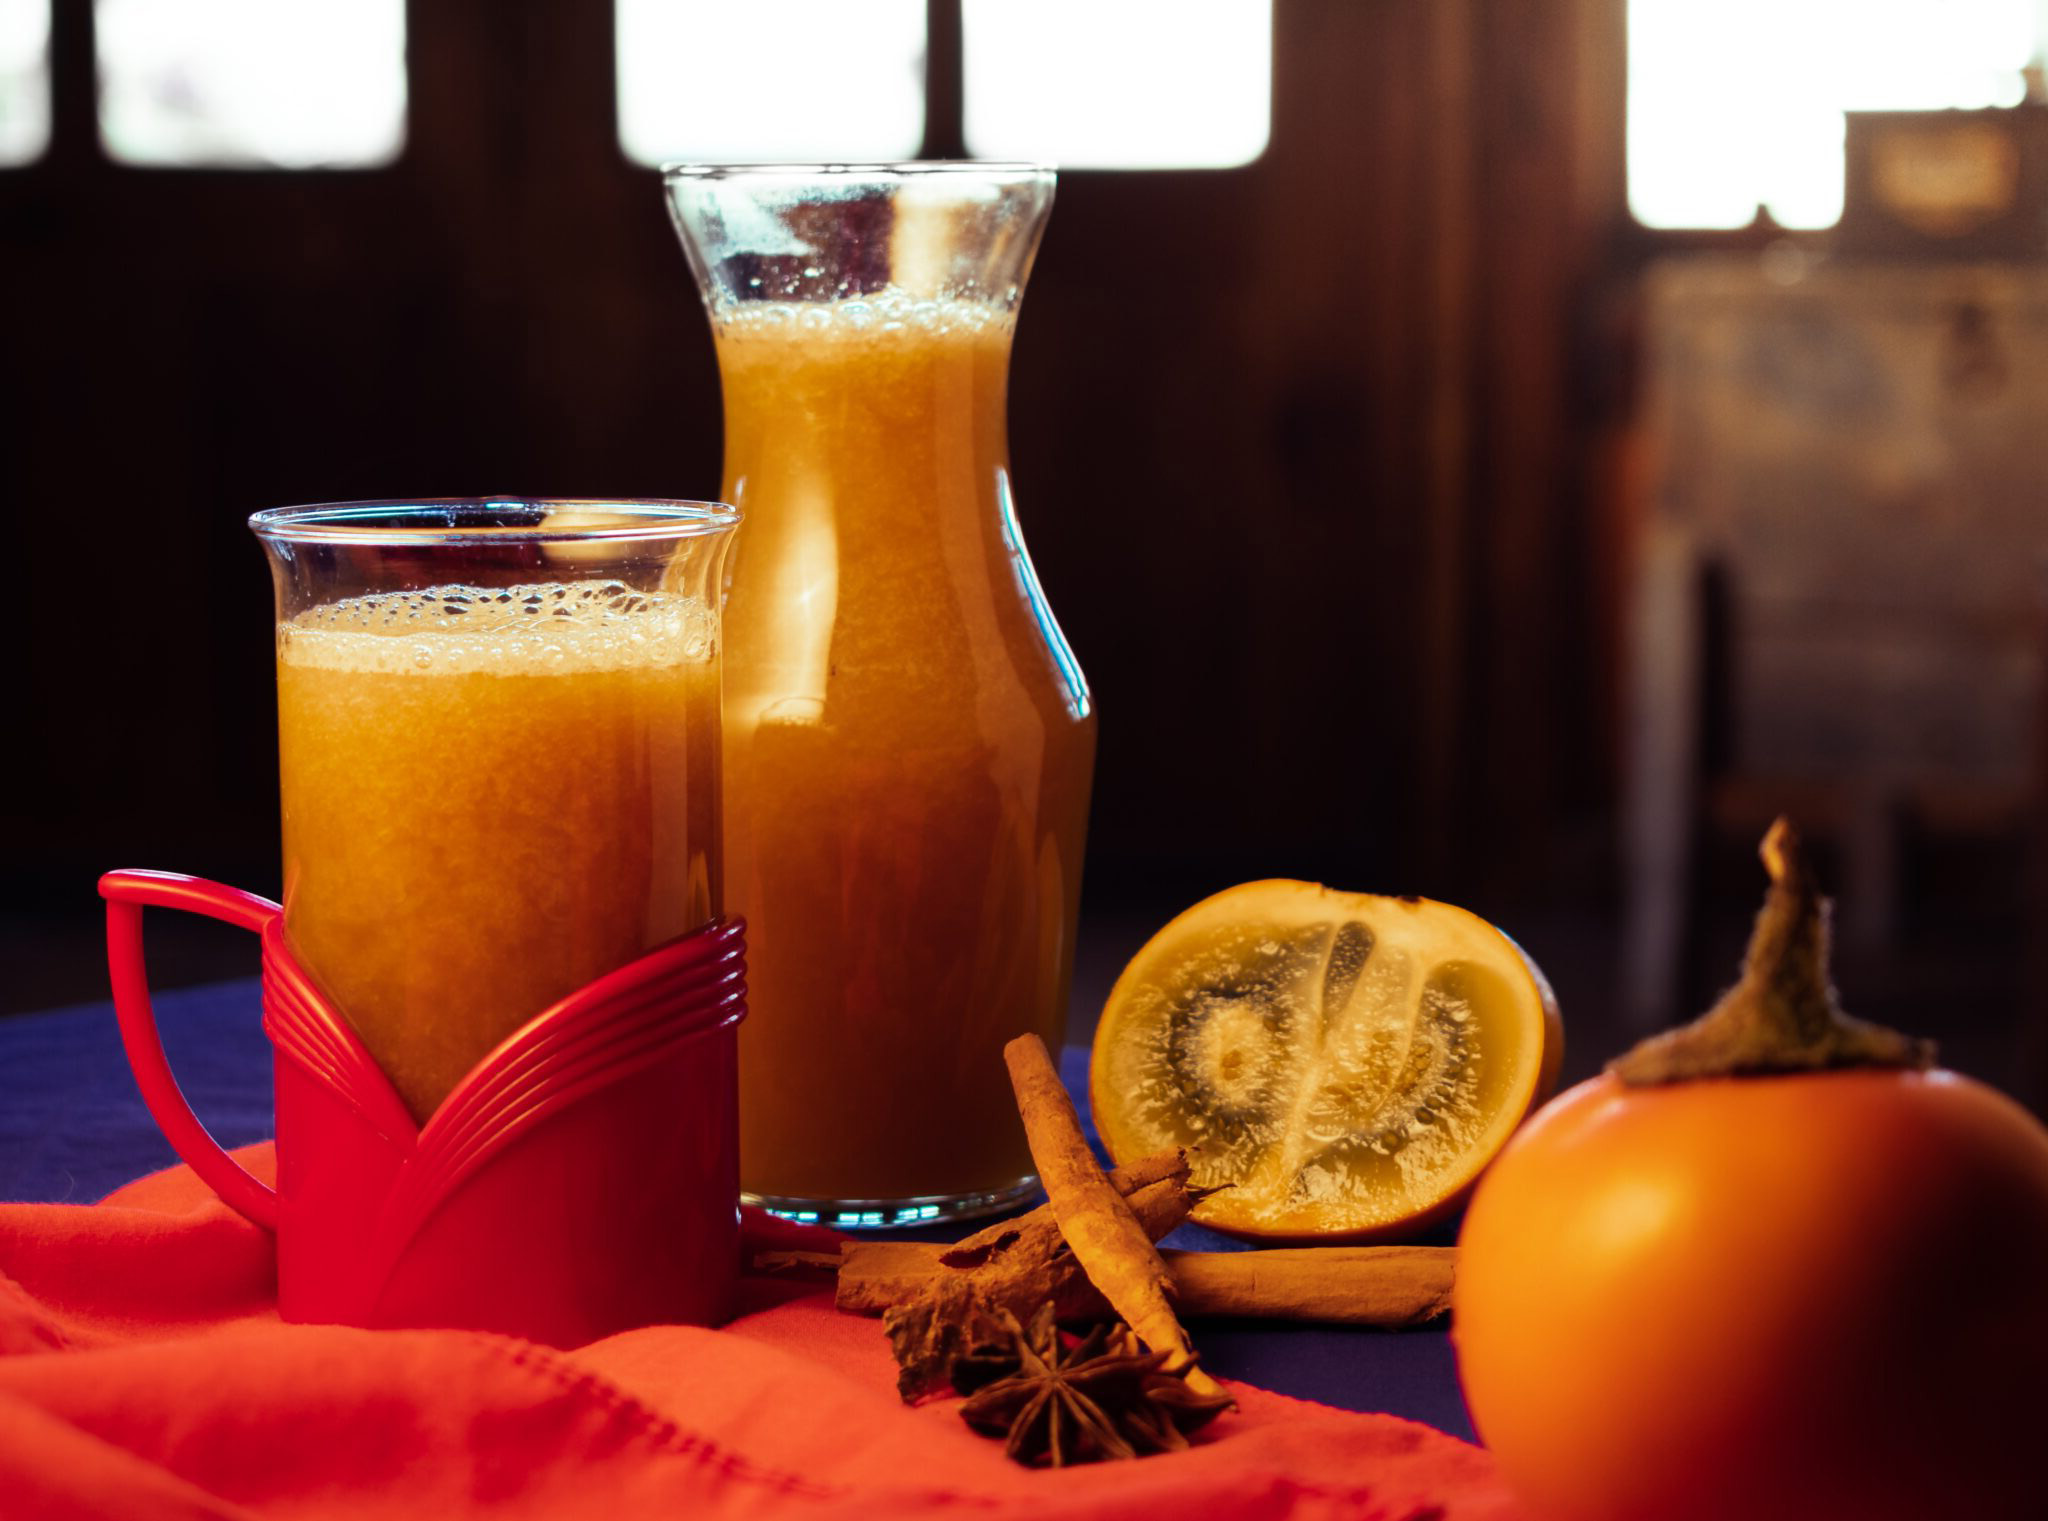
(582, 1179)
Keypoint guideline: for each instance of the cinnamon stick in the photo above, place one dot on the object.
(1113, 1249)
(1391, 1287)
(1170, 1165)
(1015, 1266)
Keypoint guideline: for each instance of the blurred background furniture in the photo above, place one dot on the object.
(1836, 610)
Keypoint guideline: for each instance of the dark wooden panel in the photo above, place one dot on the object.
(1296, 445)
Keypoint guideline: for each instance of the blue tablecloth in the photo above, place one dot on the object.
(73, 1128)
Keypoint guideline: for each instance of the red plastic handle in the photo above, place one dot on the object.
(127, 894)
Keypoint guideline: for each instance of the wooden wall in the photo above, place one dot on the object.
(1300, 448)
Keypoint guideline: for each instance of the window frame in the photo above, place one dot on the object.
(76, 145)
(1636, 241)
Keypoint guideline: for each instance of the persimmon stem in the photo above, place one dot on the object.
(1783, 1015)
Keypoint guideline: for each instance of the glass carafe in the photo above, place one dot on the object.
(909, 742)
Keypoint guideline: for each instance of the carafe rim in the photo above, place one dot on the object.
(684, 169)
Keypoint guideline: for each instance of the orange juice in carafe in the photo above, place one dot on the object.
(491, 796)
(908, 741)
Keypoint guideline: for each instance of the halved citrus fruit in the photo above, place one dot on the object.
(1338, 1065)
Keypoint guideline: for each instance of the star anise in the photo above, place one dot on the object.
(1055, 1404)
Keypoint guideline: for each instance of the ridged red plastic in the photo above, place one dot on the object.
(582, 1179)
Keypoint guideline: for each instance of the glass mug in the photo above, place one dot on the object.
(501, 993)
(491, 714)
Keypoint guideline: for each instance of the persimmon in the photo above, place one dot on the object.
(1766, 1266)
(1338, 1066)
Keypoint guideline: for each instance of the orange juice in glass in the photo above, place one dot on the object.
(498, 732)
(909, 742)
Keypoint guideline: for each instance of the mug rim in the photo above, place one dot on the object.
(437, 520)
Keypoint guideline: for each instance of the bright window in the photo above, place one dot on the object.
(288, 84)
(24, 80)
(1738, 103)
(1119, 84)
(721, 81)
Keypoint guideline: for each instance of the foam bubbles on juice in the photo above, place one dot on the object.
(889, 311)
(545, 628)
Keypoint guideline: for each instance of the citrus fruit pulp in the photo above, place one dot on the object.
(1337, 1065)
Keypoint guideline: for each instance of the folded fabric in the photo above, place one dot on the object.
(144, 1373)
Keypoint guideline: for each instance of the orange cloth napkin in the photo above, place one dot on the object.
(144, 1373)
